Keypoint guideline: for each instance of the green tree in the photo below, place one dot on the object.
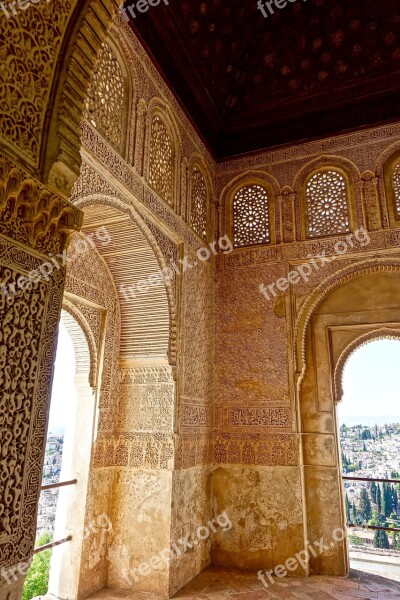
(395, 498)
(354, 513)
(355, 540)
(365, 505)
(381, 540)
(373, 492)
(348, 505)
(387, 500)
(379, 498)
(37, 579)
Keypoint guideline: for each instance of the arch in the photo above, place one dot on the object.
(351, 306)
(383, 333)
(107, 81)
(116, 204)
(388, 167)
(264, 180)
(158, 110)
(351, 175)
(80, 430)
(60, 161)
(321, 292)
(203, 222)
(88, 361)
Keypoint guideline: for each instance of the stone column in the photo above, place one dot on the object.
(34, 226)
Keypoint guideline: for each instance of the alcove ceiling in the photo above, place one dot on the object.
(314, 68)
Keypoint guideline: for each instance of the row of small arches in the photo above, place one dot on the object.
(327, 204)
(107, 107)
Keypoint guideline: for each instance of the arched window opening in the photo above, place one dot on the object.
(161, 161)
(106, 105)
(198, 203)
(251, 220)
(327, 211)
(369, 421)
(62, 501)
(396, 189)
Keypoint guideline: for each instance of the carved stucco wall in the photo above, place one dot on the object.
(258, 429)
(255, 446)
(35, 222)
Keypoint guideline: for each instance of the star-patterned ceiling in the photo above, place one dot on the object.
(313, 68)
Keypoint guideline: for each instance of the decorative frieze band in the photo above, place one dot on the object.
(253, 417)
(243, 258)
(255, 449)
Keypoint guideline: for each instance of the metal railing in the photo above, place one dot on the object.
(53, 486)
(362, 525)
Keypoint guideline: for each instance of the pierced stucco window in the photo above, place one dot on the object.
(198, 203)
(251, 223)
(106, 104)
(396, 189)
(161, 160)
(327, 210)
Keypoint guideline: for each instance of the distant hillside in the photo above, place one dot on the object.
(366, 420)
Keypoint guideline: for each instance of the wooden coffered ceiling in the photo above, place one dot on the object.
(312, 69)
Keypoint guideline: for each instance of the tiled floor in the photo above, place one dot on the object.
(229, 584)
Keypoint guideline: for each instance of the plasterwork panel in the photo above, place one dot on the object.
(30, 44)
(33, 215)
(265, 507)
(27, 343)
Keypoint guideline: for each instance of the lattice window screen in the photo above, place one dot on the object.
(106, 102)
(396, 187)
(326, 204)
(161, 161)
(198, 203)
(251, 216)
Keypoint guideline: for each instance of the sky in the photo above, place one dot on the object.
(371, 381)
(63, 383)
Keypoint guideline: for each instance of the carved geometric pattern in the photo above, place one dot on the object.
(193, 450)
(27, 348)
(161, 161)
(33, 215)
(255, 449)
(251, 216)
(106, 102)
(17, 381)
(196, 416)
(326, 204)
(136, 450)
(253, 417)
(396, 187)
(198, 203)
(29, 45)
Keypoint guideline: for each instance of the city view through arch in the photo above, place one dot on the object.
(369, 420)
